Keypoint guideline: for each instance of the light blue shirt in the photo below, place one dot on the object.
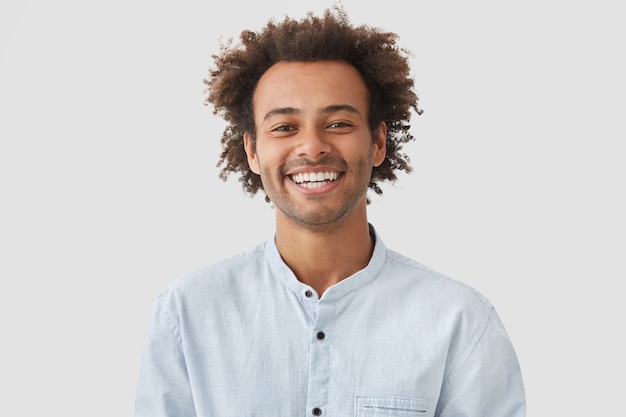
(245, 338)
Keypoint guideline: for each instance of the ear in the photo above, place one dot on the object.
(250, 148)
(380, 145)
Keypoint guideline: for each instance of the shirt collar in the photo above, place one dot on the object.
(285, 275)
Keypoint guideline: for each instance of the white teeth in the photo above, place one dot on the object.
(314, 180)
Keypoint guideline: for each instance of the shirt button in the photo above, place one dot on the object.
(317, 411)
(308, 294)
(320, 336)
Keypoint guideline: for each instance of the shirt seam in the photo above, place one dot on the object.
(477, 336)
(171, 324)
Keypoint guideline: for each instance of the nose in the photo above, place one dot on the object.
(312, 144)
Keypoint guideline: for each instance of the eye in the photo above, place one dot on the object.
(282, 128)
(339, 124)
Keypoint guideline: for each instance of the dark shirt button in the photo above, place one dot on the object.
(320, 336)
(308, 293)
(317, 411)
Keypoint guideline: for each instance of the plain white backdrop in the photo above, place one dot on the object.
(109, 187)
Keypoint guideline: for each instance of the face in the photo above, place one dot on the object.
(314, 149)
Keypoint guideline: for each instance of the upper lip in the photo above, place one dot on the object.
(311, 170)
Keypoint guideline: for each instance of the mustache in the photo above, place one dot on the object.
(327, 161)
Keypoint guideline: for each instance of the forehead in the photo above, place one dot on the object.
(310, 85)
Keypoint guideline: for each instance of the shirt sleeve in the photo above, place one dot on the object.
(163, 388)
(489, 381)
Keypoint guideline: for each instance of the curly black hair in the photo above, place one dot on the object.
(375, 54)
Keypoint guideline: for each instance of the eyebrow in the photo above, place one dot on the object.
(326, 110)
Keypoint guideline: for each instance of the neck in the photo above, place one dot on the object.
(323, 256)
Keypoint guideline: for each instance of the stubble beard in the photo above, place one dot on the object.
(319, 215)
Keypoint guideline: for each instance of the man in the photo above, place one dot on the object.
(322, 320)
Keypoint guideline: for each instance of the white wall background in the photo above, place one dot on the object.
(109, 188)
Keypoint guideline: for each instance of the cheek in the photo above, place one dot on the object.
(270, 157)
(266, 157)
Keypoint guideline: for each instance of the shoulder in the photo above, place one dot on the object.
(216, 278)
(429, 284)
(458, 309)
(431, 287)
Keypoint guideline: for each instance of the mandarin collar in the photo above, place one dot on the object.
(285, 275)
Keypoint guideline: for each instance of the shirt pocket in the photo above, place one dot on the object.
(393, 407)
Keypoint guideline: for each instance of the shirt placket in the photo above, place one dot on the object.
(319, 360)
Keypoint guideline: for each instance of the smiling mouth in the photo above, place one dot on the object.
(314, 179)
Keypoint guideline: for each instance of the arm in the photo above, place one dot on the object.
(488, 383)
(163, 388)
